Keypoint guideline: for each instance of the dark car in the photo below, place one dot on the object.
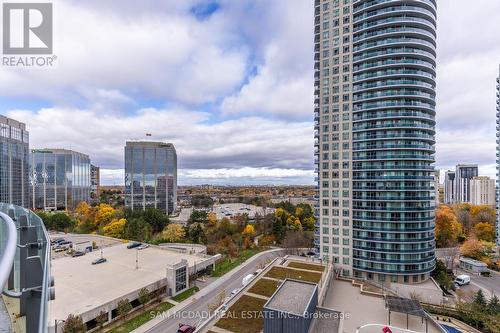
(57, 241)
(99, 261)
(78, 254)
(184, 328)
(133, 245)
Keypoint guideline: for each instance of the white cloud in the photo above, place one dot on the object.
(166, 55)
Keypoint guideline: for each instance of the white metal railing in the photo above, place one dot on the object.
(7, 257)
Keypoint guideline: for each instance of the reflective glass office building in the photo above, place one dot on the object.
(374, 82)
(151, 175)
(14, 150)
(60, 179)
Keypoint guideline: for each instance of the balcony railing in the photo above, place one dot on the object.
(26, 274)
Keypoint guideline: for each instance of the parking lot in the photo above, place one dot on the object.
(80, 242)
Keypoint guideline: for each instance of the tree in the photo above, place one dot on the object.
(173, 233)
(447, 227)
(485, 231)
(156, 219)
(249, 231)
(198, 216)
(123, 308)
(104, 215)
(74, 324)
(494, 305)
(115, 229)
(137, 229)
(101, 319)
(475, 249)
(61, 221)
(144, 296)
(479, 299)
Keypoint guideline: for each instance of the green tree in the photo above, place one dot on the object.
(144, 296)
(74, 324)
(494, 305)
(198, 216)
(137, 229)
(156, 219)
(123, 308)
(479, 299)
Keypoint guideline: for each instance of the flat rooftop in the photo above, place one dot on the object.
(292, 297)
(81, 286)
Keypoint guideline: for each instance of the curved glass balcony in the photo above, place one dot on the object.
(395, 51)
(393, 114)
(394, 73)
(395, 10)
(393, 41)
(31, 258)
(402, 30)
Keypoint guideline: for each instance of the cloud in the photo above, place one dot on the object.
(468, 64)
(251, 142)
(168, 55)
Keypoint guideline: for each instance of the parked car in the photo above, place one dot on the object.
(184, 328)
(143, 246)
(462, 280)
(78, 254)
(59, 249)
(57, 241)
(133, 245)
(99, 261)
(247, 279)
(235, 291)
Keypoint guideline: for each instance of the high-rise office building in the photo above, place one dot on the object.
(463, 175)
(60, 179)
(374, 83)
(14, 150)
(95, 182)
(482, 191)
(151, 175)
(449, 187)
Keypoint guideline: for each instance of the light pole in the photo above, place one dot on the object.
(136, 259)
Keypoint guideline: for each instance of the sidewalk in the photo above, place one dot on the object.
(216, 284)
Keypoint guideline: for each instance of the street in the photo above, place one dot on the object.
(196, 312)
(489, 285)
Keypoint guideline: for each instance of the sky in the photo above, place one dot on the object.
(230, 84)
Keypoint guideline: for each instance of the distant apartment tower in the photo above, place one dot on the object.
(482, 191)
(95, 182)
(14, 167)
(436, 182)
(498, 159)
(374, 111)
(449, 187)
(463, 175)
(60, 179)
(151, 175)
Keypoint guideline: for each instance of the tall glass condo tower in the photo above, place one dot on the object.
(374, 108)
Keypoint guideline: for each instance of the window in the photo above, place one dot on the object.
(180, 279)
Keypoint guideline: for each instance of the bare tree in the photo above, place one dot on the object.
(449, 256)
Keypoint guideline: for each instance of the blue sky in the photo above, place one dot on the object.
(228, 82)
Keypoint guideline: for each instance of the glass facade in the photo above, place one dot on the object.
(60, 179)
(14, 150)
(151, 175)
(375, 67)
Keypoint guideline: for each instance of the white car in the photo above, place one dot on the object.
(462, 280)
(143, 246)
(235, 291)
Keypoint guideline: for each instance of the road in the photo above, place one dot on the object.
(490, 285)
(197, 311)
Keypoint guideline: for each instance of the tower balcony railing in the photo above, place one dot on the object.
(25, 267)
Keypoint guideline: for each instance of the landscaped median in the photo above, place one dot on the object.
(229, 264)
(142, 318)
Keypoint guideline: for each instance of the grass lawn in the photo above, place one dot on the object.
(229, 263)
(303, 265)
(141, 319)
(244, 316)
(283, 273)
(185, 294)
(264, 287)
